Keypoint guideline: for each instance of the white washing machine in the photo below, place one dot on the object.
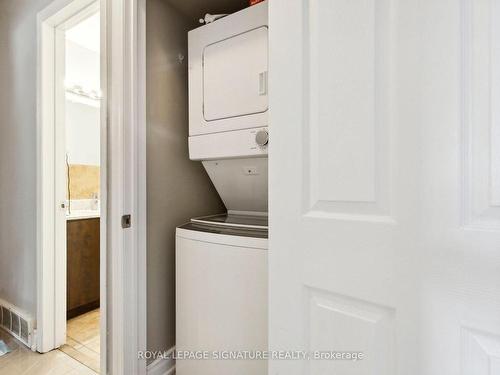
(221, 295)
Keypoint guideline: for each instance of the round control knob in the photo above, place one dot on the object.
(262, 138)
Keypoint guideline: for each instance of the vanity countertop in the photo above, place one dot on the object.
(83, 214)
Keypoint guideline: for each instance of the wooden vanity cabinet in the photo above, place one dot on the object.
(83, 244)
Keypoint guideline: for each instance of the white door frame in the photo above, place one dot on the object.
(123, 172)
(51, 233)
(126, 184)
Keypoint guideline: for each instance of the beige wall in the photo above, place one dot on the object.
(178, 189)
(84, 181)
(18, 151)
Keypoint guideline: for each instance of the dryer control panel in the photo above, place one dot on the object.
(227, 145)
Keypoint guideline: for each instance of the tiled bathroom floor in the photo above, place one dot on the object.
(83, 339)
(23, 361)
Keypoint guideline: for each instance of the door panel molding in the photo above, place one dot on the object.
(347, 79)
(480, 353)
(481, 114)
(336, 321)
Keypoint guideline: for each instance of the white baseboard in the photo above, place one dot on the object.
(162, 366)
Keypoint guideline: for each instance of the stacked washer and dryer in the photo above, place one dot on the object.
(221, 260)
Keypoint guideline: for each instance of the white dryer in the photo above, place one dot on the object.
(228, 68)
(221, 295)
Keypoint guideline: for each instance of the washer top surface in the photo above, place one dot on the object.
(235, 230)
(228, 220)
(228, 231)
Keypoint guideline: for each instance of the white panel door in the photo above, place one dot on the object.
(460, 231)
(384, 186)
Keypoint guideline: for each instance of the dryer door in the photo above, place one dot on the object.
(235, 76)
(228, 71)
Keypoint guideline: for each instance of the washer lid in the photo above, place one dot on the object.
(256, 222)
(224, 231)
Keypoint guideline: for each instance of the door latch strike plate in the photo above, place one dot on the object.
(126, 221)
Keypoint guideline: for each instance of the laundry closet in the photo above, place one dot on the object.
(207, 181)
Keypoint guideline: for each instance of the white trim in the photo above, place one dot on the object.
(60, 188)
(126, 185)
(51, 256)
(163, 366)
(45, 216)
(142, 188)
(104, 263)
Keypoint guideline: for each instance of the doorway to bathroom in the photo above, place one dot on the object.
(81, 133)
(71, 231)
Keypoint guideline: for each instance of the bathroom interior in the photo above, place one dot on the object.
(82, 133)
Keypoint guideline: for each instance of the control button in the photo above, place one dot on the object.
(262, 138)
